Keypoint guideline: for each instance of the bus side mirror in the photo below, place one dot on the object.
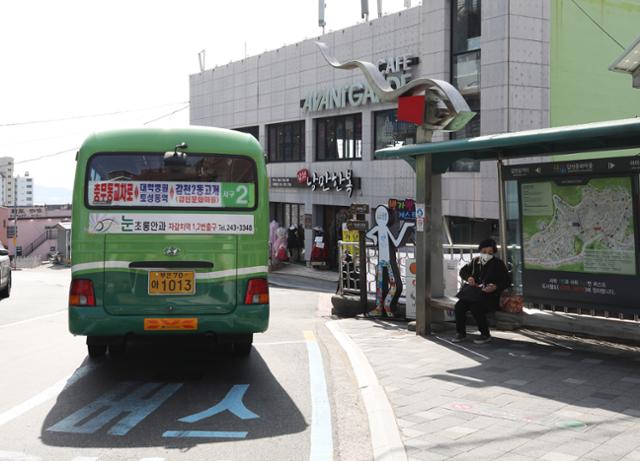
(175, 158)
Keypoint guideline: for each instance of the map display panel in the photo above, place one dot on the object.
(579, 225)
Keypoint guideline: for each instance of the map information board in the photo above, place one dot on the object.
(583, 225)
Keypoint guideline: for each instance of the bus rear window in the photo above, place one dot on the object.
(145, 180)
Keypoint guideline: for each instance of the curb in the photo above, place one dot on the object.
(309, 277)
(386, 441)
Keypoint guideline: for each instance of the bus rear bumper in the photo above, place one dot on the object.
(94, 321)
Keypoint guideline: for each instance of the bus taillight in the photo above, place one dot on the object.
(257, 292)
(81, 293)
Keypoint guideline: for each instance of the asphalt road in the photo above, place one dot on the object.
(294, 398)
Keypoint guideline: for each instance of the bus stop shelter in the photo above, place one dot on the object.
(431, 160)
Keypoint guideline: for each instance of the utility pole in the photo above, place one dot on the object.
(15, 228)
(321, 15)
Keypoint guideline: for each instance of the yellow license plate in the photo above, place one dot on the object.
(171, 324)
(172, 283)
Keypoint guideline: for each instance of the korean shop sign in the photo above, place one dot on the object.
(405, 209)
(341, 181)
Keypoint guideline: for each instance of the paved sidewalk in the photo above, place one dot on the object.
(300, 270)
(525, 396)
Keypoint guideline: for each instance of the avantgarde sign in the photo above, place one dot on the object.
(397, 71)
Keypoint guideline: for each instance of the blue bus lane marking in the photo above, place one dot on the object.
(232, 402)
(205, 434)
(109, 407)
(133, 404)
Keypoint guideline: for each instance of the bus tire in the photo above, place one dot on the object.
(96, 350)
(242, 347)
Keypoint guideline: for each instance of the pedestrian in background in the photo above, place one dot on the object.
(485, 277)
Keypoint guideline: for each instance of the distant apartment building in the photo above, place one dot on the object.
(23, 190)
(7, 184)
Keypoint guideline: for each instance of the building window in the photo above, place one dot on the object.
(466, 31)
(465, 67)
(286, 142)
(390, 132)
(252, 130)
(339, 138)
(287, 214)
(11, 231)
(466, 72)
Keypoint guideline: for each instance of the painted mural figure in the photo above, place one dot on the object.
(387, 243)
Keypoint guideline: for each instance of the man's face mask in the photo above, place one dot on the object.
(485, 258)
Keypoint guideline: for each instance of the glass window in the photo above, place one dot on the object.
(287, 214)
(143, 180)
(465, 68)
(389, 132)
(286, 142)
(466, 72)
(466, 25)
(339, 138)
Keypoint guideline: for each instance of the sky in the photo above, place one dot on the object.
(69, 59)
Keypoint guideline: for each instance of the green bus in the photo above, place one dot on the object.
(169, 237)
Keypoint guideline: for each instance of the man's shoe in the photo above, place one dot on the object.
(458, 338)
(482, 340)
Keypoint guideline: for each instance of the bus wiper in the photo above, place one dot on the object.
(119, 178)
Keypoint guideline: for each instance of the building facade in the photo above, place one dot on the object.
(320, 127)
(32, 230)
(23, 190)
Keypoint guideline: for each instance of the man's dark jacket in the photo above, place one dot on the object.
(494, 271)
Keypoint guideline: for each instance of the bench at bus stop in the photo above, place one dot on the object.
(530, 318)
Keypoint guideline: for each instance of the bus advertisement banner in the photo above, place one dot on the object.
(136, 223)
(171, 194)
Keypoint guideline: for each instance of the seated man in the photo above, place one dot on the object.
(485, 277)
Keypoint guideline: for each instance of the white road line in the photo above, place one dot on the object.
(45, 395)
(321, 432)
(385, 436)
(279, 343)
(16, 456)
(33, 319)
(484, 357)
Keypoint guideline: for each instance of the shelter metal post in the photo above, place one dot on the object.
(362, 254)
(423, 238)
(502, 206)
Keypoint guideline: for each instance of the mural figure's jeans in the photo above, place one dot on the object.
(386, 302)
